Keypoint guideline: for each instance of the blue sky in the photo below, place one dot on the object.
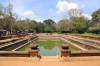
(50, 9)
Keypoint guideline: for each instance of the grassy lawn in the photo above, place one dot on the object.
(90, 34)
(25, 48)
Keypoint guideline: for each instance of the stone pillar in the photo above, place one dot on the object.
(34, 50)
(65, 51)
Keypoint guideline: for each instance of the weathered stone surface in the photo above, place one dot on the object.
(33, 46)
(65, 46)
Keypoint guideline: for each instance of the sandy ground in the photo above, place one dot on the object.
(16, 62)
(48, 63)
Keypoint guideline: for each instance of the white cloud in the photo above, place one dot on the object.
(87, 16)
(28, 13)
(64, 6)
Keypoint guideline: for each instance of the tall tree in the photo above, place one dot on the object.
(64, 26)
(95, 22)
(49, 25)
(81, 25)
(40, 27)
(96, 16)
(8, 17)
(74, 14)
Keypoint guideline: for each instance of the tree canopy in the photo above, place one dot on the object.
(72, 22)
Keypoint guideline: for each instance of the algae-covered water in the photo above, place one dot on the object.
(49, 46)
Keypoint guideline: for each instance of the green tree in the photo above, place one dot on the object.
(81, 25)
(95, 22)
(64, 26)
(73, 14)
(96, 16)
(49, 25)
(40, 27)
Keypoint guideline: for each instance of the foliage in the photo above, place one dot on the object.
(39, 27)
(64, 26)
(81, 25)
(73, 14)
(7, 18)
(74, 22)
(96, 16)
(95, 22)
(49, 25)
(95, 29)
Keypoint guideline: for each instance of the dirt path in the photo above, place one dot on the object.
(12, 62)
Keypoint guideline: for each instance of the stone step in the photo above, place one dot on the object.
(50, 58)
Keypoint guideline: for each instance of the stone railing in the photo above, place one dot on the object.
(66, 52)
(31, 53)
(79, 53)
(84, 53)
(13, 54)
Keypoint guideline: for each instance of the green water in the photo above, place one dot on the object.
(49, 46)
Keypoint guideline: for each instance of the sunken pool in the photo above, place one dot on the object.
(49, 46)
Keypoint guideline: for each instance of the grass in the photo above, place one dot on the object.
(73, 48)
(90, 34)
(48, 38)
(24, 48)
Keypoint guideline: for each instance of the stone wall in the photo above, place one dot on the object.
(13, 54)
(32, 53)
(84, 53)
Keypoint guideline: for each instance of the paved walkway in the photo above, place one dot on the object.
(34, 62)
(74, 45)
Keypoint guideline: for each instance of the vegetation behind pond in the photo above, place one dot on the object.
(74, 24)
